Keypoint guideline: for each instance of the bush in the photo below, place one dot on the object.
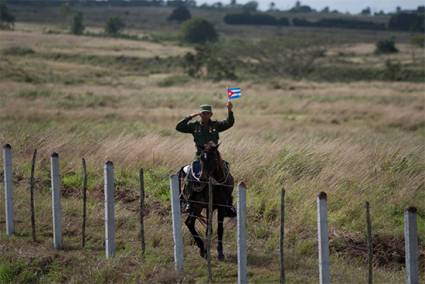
(180, 14)
(210, 63)
(77, 26)
(114, 25)
(7, 20)
(198, 31)
(386, 46)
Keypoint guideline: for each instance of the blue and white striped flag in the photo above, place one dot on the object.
(233, 93)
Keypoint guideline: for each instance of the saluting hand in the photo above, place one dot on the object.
(195, 114)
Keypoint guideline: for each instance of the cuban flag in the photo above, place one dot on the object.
(233, 93)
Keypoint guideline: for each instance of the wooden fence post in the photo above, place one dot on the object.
(282, 235)
(142, 210)
(411, 246)
(209, 228)
(176, 214)
(322, 229)
(241, 234)
(8, 188)
(83, 229)
(369, 244)
(56, 201)
(32, 195)
(109, 210)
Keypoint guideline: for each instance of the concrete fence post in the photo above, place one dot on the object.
(109, 209)
(411, 246)
(369, 244)
(322, 229)
(241, 234)
(282, 236)
(56, 201)
(142, 211)
(177, 234)
(8, 189)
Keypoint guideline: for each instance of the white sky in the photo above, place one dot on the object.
(352, 6)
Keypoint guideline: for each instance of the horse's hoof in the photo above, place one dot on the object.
(220, 257)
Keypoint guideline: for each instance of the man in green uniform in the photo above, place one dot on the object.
(206, 130)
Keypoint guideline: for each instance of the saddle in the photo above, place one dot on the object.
(192, 176)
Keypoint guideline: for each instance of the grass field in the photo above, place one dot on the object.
(116, 99)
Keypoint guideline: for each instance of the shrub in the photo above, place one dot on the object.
(386, 46)
(7, 20)
(198, 31)
(180, 14)
(210, 63)
(114, 25)
(77, 26)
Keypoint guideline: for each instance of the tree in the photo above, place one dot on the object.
(407, 22)
(272, 6)
(7, 20)
(114, 25)
(198, 30)
(325, 10)
(250, 6)
(179, 14)
(366, 11)
(77, 26)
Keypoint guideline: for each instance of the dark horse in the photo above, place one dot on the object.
(216, 169)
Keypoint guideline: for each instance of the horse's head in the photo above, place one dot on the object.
(210, 159)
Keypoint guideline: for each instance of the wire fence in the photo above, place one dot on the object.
(410, 219)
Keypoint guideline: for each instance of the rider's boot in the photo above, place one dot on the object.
(230, 211)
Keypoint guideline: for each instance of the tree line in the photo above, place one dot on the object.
(403, 21)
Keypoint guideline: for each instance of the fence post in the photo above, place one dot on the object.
(109, 210)
(411, 246)
(241, 234)
(142, 210)
(83, 229)
(8, 188)
(209, 228)
(32, 196)
(56, 201)
(282, 235)
(322, 229)
(369, 244)
(177, 234)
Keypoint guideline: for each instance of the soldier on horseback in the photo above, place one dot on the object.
(205, 131)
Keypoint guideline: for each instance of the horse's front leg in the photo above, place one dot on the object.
(190, 223)
(220, 229)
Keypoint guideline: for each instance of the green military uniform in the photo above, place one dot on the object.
(202, 134)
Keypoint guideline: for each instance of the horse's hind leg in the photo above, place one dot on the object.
(220, 229)
(190, 223)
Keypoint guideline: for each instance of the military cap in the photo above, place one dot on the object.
(205, 108)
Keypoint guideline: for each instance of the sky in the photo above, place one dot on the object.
(352, 6)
